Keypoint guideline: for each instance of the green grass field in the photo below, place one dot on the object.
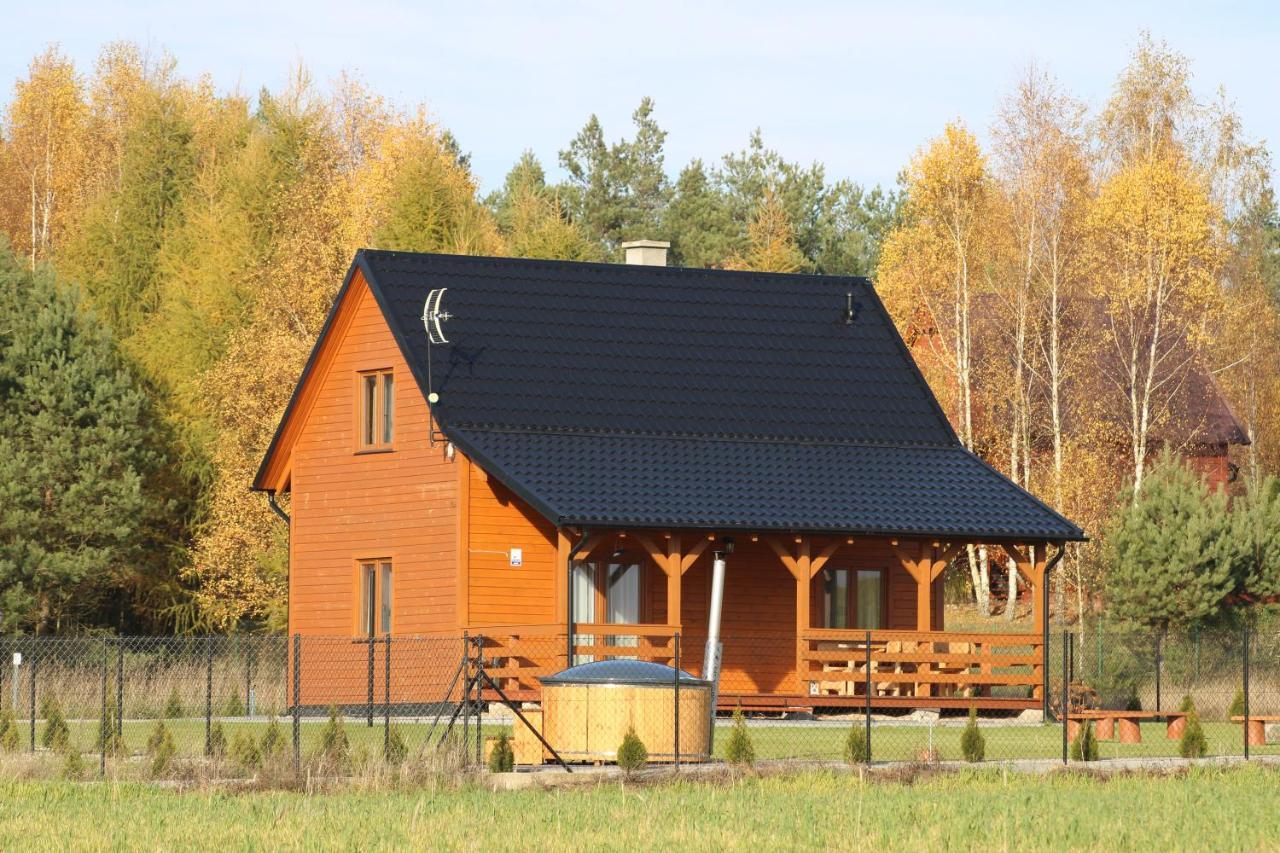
(890, 742)
(1235, 809)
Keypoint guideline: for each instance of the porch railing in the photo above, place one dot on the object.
(517, 656)
(918, 664)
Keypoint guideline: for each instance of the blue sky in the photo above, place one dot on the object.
(858, 86)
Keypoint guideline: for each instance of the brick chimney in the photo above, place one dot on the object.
(651, 253)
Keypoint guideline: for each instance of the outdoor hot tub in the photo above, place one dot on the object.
(587, 709)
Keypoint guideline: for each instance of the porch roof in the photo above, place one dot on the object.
(723, 484)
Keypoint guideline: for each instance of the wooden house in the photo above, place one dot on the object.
(558, 470)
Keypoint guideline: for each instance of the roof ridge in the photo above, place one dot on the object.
(741, 438)
(611, 267)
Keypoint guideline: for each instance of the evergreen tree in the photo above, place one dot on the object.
(80, 455)
(618, 192)
(698, 220)
(1255, 536)
(1171, 555)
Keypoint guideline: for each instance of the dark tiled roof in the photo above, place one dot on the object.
(655, 481)
(651, 396)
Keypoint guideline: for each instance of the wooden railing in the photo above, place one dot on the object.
(917, 664)
(517, 656)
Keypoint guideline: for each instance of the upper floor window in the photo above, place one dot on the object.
(376, 389)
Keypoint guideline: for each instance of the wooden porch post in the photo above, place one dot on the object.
(1030, 560)
(673, 562)
(925, 563)
(803, 566)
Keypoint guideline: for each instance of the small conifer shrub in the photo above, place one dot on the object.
(973, 745)
(1237, 705)
(502, 759)
(856, 748)
(739, 750)
(245, 752)
(273, 742)
(72, 763)
(334, 746)
(173, 709)
(234, 706)
(56, 735)
(1192, 744)
(394, 750)
(632, 754)
(1085, 746)
(217, 740)
(161, 748)
(9, 735)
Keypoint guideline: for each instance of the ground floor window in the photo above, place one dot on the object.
(853, 598)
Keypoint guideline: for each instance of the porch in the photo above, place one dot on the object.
(808, 621)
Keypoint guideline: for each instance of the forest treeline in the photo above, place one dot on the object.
(173, 250)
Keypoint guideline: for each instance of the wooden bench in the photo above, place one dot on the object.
(1257, 727)
(1128, 723)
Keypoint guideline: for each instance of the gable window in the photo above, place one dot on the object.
(853, 599)
(375, 597)
(376, 391)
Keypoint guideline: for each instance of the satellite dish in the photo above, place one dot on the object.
(433, 318)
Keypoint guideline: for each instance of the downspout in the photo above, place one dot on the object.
(573, 552)
(1044, 640)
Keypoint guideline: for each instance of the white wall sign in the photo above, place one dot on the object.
(517, 557)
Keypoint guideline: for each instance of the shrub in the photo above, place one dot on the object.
(173, 706)
(739, 750)
(394, 751)
(217, 740)
(164, 750)
(973, 745)
(1193, 743)
(1085, 746)
(9, 736)
(234, 706)
(56, 735)
(72, 763)
(856, 748)
(1187, 704)
(1133, 703)
(334, 747)
(272, 740)
(245, 752)
(159, 734)
(1237, 705)
(503, 760)
(632, 754)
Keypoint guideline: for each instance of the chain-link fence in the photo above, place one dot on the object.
(239, 706)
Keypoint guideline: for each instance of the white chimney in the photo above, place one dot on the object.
(651, 253)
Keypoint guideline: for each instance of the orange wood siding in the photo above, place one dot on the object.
(346, 505)
(499, 593)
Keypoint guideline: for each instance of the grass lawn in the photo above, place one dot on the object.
(890, 742)
(1206, 808)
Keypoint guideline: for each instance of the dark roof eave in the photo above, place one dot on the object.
(885, 533)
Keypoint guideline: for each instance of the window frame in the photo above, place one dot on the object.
(826, 576)
(375, 593)
(375, 419)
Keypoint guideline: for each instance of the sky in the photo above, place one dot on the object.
(856, 86)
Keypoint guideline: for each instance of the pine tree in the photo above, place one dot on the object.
(80, 449)
(502, 759)
(56, 735)
(1192, 744)
(856, 748)
(771, 244)
(1170, 551)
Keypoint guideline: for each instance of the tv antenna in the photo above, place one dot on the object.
(433, 320)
